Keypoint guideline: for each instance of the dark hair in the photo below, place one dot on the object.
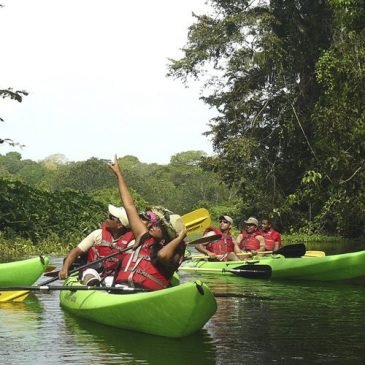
(165, 235)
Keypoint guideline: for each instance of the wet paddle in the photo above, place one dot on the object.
(245, 271)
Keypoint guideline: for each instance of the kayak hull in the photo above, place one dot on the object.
(20, 273)
(323, 268)
(174, 312)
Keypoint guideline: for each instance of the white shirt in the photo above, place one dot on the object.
(95, 238)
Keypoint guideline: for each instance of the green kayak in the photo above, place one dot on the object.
(324, 268)
(20, 273)
(174, 312)
(24, 272)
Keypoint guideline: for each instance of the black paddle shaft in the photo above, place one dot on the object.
(251, 271)
(89, 264)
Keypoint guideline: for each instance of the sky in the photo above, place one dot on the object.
(96, 76)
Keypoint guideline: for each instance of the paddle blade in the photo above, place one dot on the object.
(205, 239)
(292, 251)
(314, 254)
(197, 221)
(251, 271)
(52, 274)
(13, 296)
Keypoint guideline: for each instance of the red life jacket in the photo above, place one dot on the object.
(107, 246)
(222, 246)
(271, 236)
(249, 242)
(138, 270)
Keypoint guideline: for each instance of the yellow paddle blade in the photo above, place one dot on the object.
(314, 254)
(197, 221)
(13, 296)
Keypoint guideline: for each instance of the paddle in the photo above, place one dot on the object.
(315, 254)
(205, 239)
(114, 290)
(197, 220)
(89, 264)
(290, 251)
(245, 271)
(14, 296)
(124, 290)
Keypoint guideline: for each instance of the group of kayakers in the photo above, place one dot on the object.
(253, 239)
(148, 246)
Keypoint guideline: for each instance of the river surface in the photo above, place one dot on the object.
(274, 322)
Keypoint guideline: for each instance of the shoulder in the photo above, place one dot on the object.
(93, 238)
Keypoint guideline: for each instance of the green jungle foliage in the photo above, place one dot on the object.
(67, 200)
(287, 79)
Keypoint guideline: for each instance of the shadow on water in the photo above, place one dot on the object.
(128, 347)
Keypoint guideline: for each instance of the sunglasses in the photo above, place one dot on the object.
(144, 216)
(223, 221)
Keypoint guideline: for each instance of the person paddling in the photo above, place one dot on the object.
(159, 248)
(114, 234)
(223, 248)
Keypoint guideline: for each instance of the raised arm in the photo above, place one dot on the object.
(135, 222)
(167, 254)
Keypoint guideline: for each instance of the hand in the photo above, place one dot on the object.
(114, 166)
(63, 274)
(212, 255)
(183, 233)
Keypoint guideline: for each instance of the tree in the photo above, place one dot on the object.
(259, 64)
(14, 95)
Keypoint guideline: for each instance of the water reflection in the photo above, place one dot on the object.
(19, 319)
(310, 322)
(126, 347)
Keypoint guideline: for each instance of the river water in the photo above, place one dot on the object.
(275, 322)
